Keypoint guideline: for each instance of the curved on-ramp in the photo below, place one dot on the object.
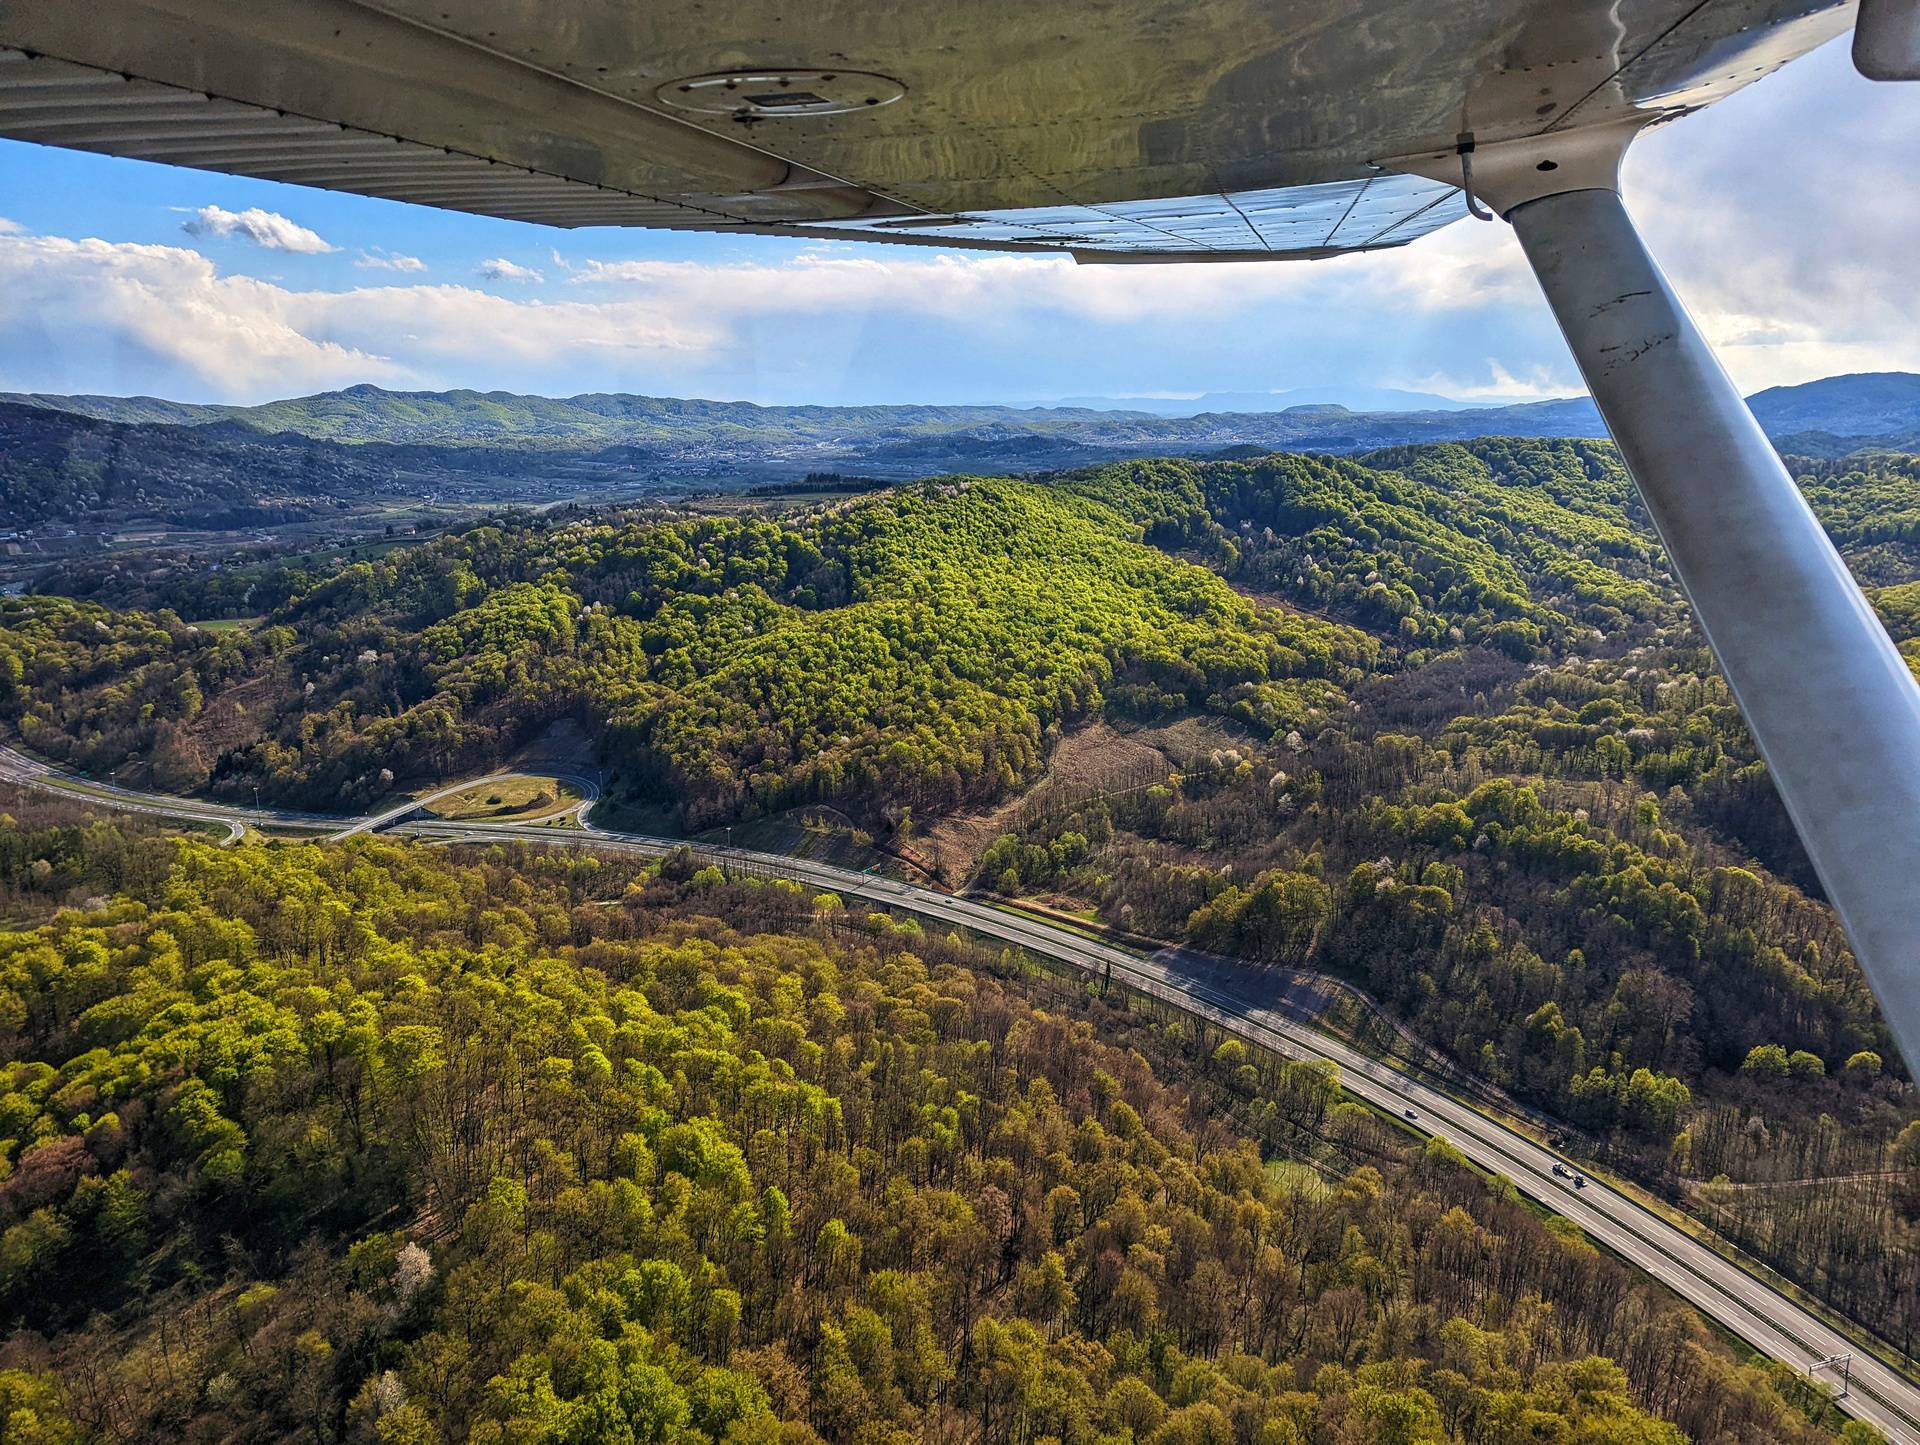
(378, 822)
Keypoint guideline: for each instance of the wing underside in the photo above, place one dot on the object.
(1117, 130)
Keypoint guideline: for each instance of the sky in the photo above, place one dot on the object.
(1787, 217)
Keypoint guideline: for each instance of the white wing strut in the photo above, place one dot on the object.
(1832, 705)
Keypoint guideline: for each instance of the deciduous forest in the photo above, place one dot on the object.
(1433, 722)
(369, 1143)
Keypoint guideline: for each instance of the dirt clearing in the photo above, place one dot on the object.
(1092, 759)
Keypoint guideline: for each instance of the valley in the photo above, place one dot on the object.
(959, 725)
(92, 479)
(1429, 724)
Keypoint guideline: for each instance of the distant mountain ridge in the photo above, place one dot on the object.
(367, 413)
(1866, 403)
(1837, 409)
(103, 460)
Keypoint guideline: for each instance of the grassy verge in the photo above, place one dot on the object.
(518, 800)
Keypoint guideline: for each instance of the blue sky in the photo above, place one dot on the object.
(1786, 215)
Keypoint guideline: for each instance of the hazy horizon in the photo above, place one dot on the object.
(1084, 403)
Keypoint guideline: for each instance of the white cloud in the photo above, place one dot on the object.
(83, 314)
(1497, 385)
(264, 228)
(678, 327)
(95, 315)
(1795, 267)
(842, 278)
(382, 260)
(1786, 217)
(10, 228)
(501, 269)
(794, 330)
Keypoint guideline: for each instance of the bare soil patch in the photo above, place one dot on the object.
(234, 716)
(1197, 736)
(562, 748)
(1095, 758)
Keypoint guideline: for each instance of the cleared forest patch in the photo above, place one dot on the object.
(1096, 758)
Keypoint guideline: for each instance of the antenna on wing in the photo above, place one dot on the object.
(1474, 208)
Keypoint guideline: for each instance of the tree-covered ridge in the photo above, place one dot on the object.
(1528, 545)
(977, 617)
(1503, 542)
(1870, 504)
(906, 650)
(368, 1144)
(1433, 545)
(909, 650)
(1847, 409)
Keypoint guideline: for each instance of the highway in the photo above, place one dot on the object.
(17, 767)
(1733, 1296)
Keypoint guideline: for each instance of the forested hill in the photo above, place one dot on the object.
(452, 418)
(1434, 719)
(910, 649)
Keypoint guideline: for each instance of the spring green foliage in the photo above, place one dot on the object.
(1566, 866)
(1501, 542)
(917, 650)
(1574, 941)
(978, 615)
(437, 1150)
(1900, 607)
(1871, 504)
(1466, 752)
(909, 650)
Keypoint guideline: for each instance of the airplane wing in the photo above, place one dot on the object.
(1117, 130)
